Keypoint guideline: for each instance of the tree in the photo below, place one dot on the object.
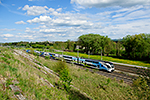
(70, 45)
(137, 46)
(119, 47)
(93, 42)
(27, 46)
(51, 48)
(109, 47)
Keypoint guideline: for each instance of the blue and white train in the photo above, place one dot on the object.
(97, 64)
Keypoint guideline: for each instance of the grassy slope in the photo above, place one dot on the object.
(98, 57)
(14, 67)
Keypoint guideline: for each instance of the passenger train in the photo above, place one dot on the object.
(98, 64)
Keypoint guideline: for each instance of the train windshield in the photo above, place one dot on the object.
(107, 66)
(112, 65)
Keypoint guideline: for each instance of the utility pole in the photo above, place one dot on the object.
(77, 51)
(101, 54)
(88, 54)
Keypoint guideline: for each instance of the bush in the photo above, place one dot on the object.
(87, 70)
(46, 57)
(65, 78)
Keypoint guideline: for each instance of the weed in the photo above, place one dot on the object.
(87, 70)
(39, 63)
(122, 81)
(9, 82)
(37, 94)
(78, 69)
(46, 57)
(18, 75)
(37, 57)
(5, 60)
(17, 92)
(6, 55)
(92, 72)
(108, 81)
(39, 68)
(114, 78)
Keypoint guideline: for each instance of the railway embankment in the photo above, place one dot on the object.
(34, 82)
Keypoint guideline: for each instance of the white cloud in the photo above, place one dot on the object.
(41, 19)
(109, 3)
(27, 28)
(30, 31)
(20, 22)
(59, 9)
(51, 30)
(35, 10)
(38, 10)
(62, 19)
(6, 29)
(19, 8)
(51, 9)
(61, 34)
(8, 35)
(48, 35)
(115, 23)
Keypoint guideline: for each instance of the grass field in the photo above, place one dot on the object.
(19, 71)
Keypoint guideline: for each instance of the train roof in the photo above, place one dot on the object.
(98, 60)
(68, 56)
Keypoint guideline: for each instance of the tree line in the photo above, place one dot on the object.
(135, 47)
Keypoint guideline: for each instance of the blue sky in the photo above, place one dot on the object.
(60, 20)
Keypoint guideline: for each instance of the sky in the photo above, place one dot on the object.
(61, 20)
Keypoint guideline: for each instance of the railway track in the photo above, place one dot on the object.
(114, 75)
(134, 70)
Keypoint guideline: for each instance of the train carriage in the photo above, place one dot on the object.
(98, 64)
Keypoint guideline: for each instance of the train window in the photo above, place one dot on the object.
(88, 61)
(96, 62)
(111, 65)
(107, 66)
